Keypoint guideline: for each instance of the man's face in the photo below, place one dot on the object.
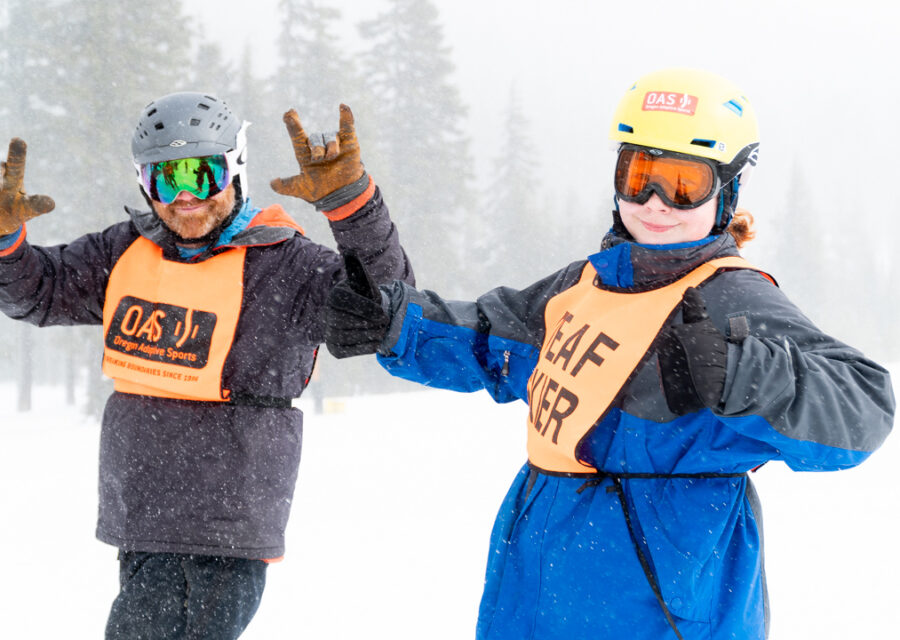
(190, 217)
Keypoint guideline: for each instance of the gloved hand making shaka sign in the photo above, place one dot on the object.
(16, 207)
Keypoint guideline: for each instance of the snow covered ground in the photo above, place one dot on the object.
(390, 525)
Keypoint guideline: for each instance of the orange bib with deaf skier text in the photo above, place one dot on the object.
(168, 326)
(595, 339)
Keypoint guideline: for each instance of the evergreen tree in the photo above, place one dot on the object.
(76, 75)
(821, 273)
(211, 72)
(123, 58)
(268, 147)
(314, 75)
(33, 95)
(511, 230)
(419, 154)
(801, 247)
(32, 106)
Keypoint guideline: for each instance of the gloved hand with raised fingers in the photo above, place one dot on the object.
(356, 318)
(15, 206)
(331, 172)
(693, 358)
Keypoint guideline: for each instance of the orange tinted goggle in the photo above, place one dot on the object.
(681, 181)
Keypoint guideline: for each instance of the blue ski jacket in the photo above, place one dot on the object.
(665, 540)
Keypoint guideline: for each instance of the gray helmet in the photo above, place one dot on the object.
(184, 125)
(187, 125)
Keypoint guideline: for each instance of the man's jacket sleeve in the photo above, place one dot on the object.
(59, 285)
(372, 235)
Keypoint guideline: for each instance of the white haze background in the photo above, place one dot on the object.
(397, 493)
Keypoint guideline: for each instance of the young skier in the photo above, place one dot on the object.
(658, 372)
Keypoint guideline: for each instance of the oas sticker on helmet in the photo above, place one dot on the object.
(670, 101)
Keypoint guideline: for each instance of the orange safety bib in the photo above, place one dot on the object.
(595, 340)
(169, 326)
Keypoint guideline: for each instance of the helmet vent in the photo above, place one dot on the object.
(200, 124)
(734, 106)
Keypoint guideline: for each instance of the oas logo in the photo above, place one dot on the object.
(177, 143)
(161, 332)
(671, 101)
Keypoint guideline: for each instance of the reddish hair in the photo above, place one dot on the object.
(741, 227)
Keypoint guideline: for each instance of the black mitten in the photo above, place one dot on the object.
(356, 321)
(692, 358)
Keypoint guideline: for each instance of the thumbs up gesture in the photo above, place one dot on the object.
(693, 358)
(356, 319)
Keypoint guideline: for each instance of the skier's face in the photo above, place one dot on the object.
(190, 217)
(654, 222)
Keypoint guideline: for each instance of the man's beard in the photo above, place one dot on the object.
(197, 224)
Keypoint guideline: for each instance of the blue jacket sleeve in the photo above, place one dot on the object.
(491, 343)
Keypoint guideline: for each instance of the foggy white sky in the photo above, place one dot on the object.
(821, 75)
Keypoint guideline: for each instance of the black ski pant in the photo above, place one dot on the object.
(170, 596)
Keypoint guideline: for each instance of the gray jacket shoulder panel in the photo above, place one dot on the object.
(806, 384)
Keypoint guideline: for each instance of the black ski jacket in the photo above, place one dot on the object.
(211, 478)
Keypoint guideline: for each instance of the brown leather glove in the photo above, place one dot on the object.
(328, 162)
(15, 206)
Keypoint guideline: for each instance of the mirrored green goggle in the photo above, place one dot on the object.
(203, 177)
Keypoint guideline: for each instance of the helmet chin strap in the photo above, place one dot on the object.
(725, 212)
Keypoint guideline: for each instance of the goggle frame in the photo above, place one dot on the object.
(203, 177)
(651, 185)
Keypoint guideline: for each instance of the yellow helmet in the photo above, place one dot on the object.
(689, 111)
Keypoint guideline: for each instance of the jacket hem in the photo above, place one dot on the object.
(160, 546)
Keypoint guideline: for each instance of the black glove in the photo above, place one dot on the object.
(356, 321)
(692, 358)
